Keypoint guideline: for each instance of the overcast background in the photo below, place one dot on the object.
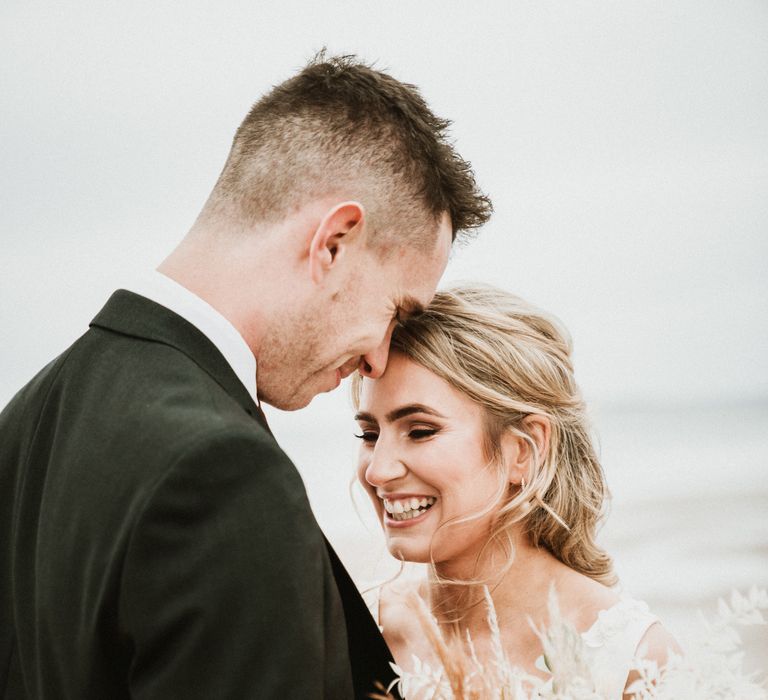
(624, 144)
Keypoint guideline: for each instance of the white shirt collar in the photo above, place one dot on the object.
(170, 294)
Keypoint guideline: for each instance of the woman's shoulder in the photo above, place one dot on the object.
(403, 617)
(615, 627)
(399, 603)
(626, 619)
(625, 631)
(582, 599)
(606, 617)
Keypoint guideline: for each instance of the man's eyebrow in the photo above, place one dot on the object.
(399, 413)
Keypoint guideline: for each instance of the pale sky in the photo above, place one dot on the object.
(624, 144)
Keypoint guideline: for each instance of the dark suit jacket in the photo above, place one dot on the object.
(155, 541)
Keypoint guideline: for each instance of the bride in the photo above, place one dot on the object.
(476, 453)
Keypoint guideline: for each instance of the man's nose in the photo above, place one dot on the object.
(373, 363)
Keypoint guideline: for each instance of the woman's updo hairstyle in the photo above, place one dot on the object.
(515, 361)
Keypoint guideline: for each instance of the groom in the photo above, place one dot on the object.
(155, 541)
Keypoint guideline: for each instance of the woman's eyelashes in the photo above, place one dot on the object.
(420, 433)
(367, 436)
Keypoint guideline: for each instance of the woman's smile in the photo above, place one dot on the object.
(405, 510)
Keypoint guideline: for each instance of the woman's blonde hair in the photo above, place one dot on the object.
(515, 361)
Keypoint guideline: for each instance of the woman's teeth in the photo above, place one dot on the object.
(407, 508)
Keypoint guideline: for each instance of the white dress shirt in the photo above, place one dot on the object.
(164, 291)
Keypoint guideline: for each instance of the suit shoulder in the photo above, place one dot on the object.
(20, 416)
(39, 385)
(158, 391)
(230, 442)
(234, 457)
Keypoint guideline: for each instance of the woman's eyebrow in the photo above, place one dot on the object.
(411, 408)
(399, 413)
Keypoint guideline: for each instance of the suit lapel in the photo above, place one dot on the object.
(131, 314)
(369, 652)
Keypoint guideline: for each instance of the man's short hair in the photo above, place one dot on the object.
(340, 126)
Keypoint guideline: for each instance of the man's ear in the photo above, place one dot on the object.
(517, 452)
(341, 225)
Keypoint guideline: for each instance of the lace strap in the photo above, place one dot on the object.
(613, 643)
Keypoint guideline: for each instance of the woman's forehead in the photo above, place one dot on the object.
(405, 383)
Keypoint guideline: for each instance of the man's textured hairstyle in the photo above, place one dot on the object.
(341, 127)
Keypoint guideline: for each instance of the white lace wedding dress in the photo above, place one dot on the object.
(612, 644)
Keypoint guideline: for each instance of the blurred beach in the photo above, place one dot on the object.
(687, 522)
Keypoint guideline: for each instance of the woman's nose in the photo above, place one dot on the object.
(383, 467)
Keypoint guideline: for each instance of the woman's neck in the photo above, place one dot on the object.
(520, 592)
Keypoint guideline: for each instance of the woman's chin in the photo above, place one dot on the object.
(405, 551)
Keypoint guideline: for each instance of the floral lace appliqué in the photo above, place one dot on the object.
(614, 621)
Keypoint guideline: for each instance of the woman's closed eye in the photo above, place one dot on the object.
(368, 436)
(421, 433)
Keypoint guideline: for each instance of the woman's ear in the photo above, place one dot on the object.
(517, 452)
(339, 226)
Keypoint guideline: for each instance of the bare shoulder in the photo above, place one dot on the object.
(582, 598)
(398, 603)
(401, 622)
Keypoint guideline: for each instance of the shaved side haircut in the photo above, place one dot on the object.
(342, 127)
